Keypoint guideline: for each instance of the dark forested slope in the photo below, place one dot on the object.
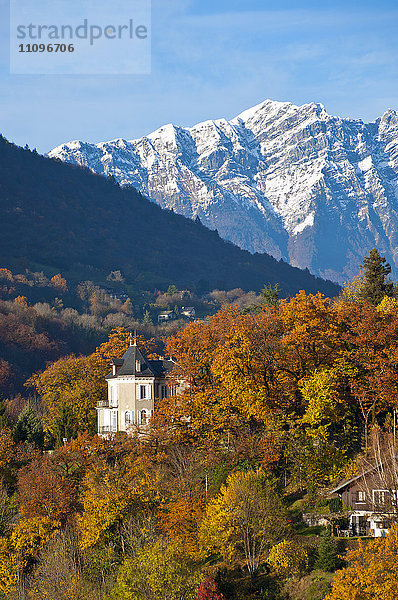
(61, 217)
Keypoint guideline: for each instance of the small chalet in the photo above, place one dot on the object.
(166, 315)
(188, 311)
(134, 384)
(372, 508)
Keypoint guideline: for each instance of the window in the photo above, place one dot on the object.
(163, 391)
(127, 418)
(113, 395)
(361, 496)
(381, 497)
(143, 417)
(113, 420)
(143, 392)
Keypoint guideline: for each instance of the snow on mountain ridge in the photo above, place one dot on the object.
(294, 181)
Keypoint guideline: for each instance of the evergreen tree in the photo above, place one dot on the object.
(171, 290)
(66, 426)
(147, 318)
(29, 428)
(376, 271)
(270, 294)
(327, 554)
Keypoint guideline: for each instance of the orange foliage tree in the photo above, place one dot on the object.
(44, 492)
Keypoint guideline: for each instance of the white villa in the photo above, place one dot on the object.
(134, 384)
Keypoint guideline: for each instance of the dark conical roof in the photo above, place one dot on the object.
(134, 358)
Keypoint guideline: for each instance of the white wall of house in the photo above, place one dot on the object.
(131, 402)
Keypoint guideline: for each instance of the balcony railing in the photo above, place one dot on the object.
(107, 429)
(105, 404)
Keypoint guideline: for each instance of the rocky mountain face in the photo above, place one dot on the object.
(316, 190)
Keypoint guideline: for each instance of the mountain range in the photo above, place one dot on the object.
(315, 190)
(57, 217)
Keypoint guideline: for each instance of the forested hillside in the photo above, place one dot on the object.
(62, 218)
(283, 401)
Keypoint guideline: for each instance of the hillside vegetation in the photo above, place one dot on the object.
(57, 217)
(282, 401)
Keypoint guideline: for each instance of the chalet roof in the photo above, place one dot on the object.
(347, 482)
(134, 358)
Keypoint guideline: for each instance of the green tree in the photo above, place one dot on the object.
(270, 294)
(171, 290)
(327, 554)
(147, 318)
(29, 428)
(158, 572)
(376, 270)
(65, 425)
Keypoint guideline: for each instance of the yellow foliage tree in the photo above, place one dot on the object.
(371, 573)
(8, 568)
(29, 536)
(288, 559)
(246, 514)
(388, 305)
(352, 290)
(110, 495)
(71, 388)
(59, 283)
(324, 401)
(158, 572)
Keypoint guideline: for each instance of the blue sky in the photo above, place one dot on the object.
(214, 59)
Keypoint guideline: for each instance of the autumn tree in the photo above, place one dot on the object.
(371, 571)
(44, 492)
(288, 559)
(8, 568)
(113, 492)
(72, 384)
(208, 590)
(59, 283)
(352, 290)
(29, 537)
(247, 515)
(180, 518)
(160, 571)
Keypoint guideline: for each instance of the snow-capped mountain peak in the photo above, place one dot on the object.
(316, 190)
